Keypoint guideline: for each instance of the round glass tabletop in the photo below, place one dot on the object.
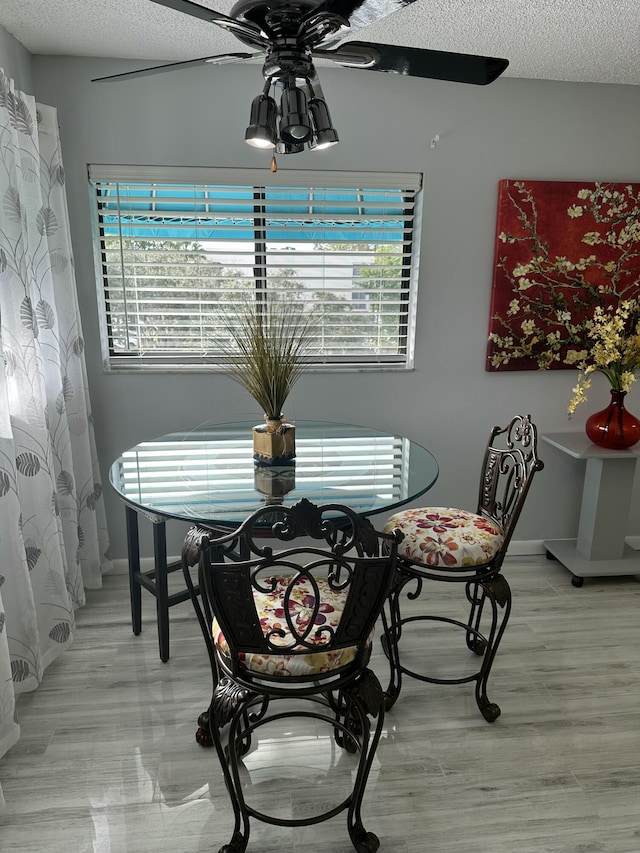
(208, 475)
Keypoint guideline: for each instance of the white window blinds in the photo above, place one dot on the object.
(178, 247)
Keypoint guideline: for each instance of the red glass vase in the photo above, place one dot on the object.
(614, 427)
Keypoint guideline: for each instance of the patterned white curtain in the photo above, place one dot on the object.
(53, 536)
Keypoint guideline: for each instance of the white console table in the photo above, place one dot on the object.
(600, 548)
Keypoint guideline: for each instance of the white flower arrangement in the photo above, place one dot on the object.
(614, 337)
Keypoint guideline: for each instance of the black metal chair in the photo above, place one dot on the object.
(291, 625)
(458, 546)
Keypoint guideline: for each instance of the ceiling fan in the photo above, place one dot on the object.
(290, 35)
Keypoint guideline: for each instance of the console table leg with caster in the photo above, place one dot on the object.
(600, 549)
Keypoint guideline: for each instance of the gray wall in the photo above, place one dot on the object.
(15, 60)
(511, 129)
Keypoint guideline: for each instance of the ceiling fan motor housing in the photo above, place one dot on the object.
(281, 20)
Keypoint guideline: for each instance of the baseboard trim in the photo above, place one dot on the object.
(526, 548)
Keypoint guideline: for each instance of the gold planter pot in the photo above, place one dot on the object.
(274, 443)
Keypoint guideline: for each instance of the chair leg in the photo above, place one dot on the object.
(351, 709)
(203, 732)
(229, 705)
(495, 591)
(476, 643)
(240, 837)
(341, 705)
(366, 698)
(391, 627)
(392, 631)
(498, 593)
(243, 741)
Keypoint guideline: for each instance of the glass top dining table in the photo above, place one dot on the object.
(207, 475)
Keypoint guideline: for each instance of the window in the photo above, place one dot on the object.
(178, 247)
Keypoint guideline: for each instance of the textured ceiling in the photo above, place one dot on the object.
(580, 40)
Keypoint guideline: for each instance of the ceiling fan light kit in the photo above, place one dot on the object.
(324, 134)
(302, 120)
(295, 124)
(291, 114)
(261, 132)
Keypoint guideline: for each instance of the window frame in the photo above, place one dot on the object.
(194, 176)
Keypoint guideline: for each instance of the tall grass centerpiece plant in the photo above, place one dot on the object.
(266, 351)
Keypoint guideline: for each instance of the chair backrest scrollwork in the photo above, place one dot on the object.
(329, 554)
(510, 461)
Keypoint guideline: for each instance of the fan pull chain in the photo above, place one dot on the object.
(274, 164)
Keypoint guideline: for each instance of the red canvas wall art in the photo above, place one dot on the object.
(562, 247)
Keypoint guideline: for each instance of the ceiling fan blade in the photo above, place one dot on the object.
(219, 59)
(250, 32)
(415, 62)
(361, 13)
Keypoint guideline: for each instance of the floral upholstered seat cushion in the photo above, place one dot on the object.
(446, 537)
(270, 608)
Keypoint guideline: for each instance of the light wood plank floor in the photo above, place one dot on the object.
(107, 761)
